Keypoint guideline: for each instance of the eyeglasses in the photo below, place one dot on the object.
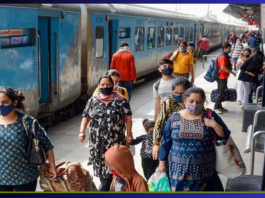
(166, 66)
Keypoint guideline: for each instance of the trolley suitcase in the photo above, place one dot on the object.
(70, 177)
(230, 95)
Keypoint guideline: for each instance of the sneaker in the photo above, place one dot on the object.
(218, 111)
(224, 110)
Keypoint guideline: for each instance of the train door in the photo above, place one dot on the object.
(48, 58)
(113, 37)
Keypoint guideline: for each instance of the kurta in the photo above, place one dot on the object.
(106, 129)
(14, 167)
(188, 147)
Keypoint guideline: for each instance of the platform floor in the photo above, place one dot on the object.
(68, 148)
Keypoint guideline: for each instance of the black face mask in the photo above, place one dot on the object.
(167, 71)
(247, 56)
(106, 91)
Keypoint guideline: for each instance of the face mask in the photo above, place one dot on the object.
(5, 110)
(247, 56)
(167, 71)
(194, 109)
(177, 98)
(228, 52)
(182, 49)
(106, 91)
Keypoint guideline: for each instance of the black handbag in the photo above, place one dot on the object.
(35, 152)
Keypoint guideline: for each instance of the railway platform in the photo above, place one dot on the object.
(68, 148)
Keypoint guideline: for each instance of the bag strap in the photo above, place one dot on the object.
(210, 115)
(24, 118)
(157, 84)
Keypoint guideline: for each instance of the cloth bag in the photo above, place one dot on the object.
(158, 182)
(230, 95)
(71, 176)
(228, 159)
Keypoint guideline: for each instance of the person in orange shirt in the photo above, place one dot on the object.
(225, 68)
(123, 62)
(183, 62)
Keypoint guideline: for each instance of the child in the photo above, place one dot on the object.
(149, 165)
(125, 177)
(163, 87)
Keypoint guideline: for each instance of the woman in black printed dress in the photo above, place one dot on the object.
(108, 114)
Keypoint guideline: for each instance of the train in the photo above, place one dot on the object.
(56, 52)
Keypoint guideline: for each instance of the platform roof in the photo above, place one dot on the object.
(237, 11)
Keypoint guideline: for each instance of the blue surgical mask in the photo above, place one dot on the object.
(106, 90)
(177, 98)
(167, 71)
(194, 109)
(5, 110)
(182, 49)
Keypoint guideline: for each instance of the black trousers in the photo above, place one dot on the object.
(222, 85)
(149, 167)
(25, 187)
(214, 184)
(105, 184)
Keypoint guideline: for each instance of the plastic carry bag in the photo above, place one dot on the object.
(158, 182)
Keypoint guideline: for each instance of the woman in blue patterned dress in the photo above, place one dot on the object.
(16, 174)
(187, 144)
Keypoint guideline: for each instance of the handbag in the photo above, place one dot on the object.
(35, 152)
(230, 95)
(71, 176)
(228, 159)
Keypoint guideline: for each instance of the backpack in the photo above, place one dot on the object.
(212, 72)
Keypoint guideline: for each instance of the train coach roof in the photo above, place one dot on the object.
(64, 7)
(140, 11)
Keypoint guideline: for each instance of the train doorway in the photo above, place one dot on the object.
(48, 58)
(113, 37)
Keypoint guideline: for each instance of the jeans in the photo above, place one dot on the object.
(222, 86)
(128, 85)
(234, 63)
(24, 187)
(203, 52)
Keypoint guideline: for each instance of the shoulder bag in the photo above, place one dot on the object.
(228, 159)
(35, 152)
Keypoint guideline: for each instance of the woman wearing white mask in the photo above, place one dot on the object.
(187, 144)
(237, 49)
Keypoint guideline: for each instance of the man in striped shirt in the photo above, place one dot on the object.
(237, 49)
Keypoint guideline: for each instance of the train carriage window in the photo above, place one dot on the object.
(176, 35)
(191, 34)
(11, 38)
(124, 32)
(99, 41)
(139, 39)
(186, 34)
(169, 36)
(160, 38)
(151, 38)
(181, 37)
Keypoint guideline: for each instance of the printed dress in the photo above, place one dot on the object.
(106, 129)
(188, 147)
(14, 167)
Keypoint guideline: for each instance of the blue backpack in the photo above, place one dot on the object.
(212, 72)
